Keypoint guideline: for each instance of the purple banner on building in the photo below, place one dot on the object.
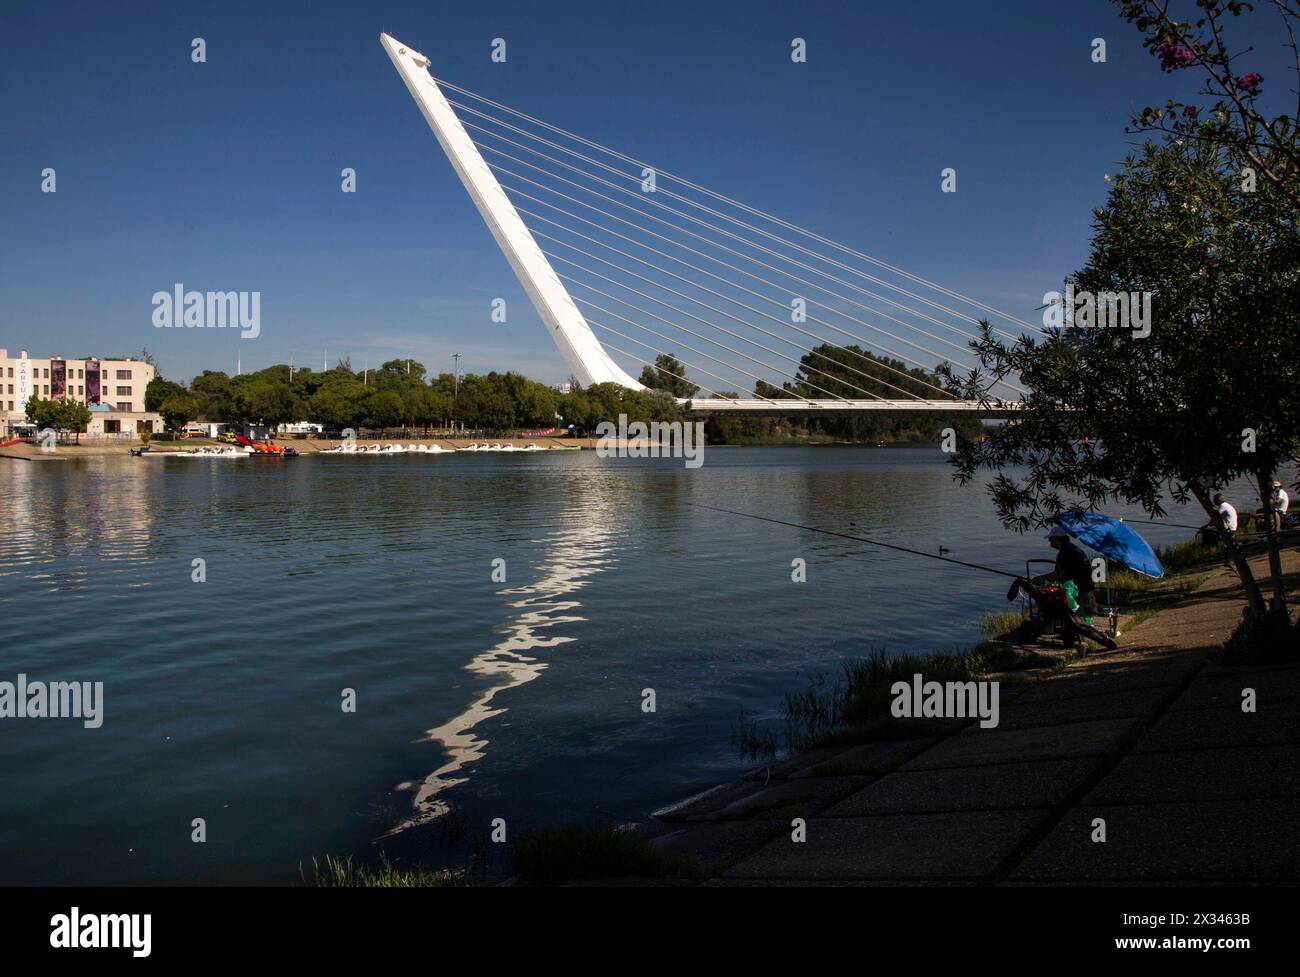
(58, 378)
(92, 382)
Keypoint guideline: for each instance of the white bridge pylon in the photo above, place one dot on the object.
(769, 315)
(581, 350)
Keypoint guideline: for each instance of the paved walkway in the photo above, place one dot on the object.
(1150, 741)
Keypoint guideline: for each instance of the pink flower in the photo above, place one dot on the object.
(1249, 82)
(1173, 56)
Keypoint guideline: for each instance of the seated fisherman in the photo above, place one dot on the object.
(1226, 516)
(1073, 564)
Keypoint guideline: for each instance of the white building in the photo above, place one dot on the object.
(112, 389)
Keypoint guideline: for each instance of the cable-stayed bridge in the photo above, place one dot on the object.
(762, 314)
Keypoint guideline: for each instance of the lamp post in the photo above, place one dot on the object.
(455, 382)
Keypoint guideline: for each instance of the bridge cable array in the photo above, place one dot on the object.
(818, 348)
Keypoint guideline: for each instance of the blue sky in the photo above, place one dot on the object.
(225, 175)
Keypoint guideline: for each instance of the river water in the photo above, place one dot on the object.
(520, 699)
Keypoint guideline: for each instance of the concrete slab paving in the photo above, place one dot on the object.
(1143, 703)
(1039, 783)
(712, 846)
(968, 845)
(832, 883)
(705, 806)
(803, 797)
(1254, 840)
(791, 765)
(1191, 775)
(1090, 678)
(868, 759)
(1277, 721)
(978, 747)
(1224, 688)
(1224, 668)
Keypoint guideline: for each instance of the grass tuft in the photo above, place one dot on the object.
(343, 873)
(855, 706)
(997, 624)
(752, 740)
(1189, 554)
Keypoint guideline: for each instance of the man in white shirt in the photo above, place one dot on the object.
(1227, 516)
(1278, 503)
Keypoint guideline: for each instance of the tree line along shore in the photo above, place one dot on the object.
(401, 396)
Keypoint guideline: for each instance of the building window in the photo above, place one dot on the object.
(124, 407)
(45, 375)
(124, 374)
(47, 389)
(124, 391)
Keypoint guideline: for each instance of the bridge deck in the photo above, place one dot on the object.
(791, 406)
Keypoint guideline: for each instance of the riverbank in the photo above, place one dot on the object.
(313, 445)
(1157, 762)
(1134, 766)
(101, 449)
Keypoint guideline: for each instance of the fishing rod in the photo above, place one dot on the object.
(1161, 522)
(860, 539)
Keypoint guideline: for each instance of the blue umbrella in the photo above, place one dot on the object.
(1112, 539)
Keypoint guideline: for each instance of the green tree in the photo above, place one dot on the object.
(669, 374)
(609, 400)
(401, 370)
(730, 427)
(216, 396)
(276, 374)
(178, 410)
(336, 405)
(60, 415)
(437, 406)
(486, 401)
(306, 381)
(578, 409)
(159, 390)
(40, 412)
(830, 372)
(72, 416)
(385, 409)
(1208, 396)
(272, 402)
(533, 402)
